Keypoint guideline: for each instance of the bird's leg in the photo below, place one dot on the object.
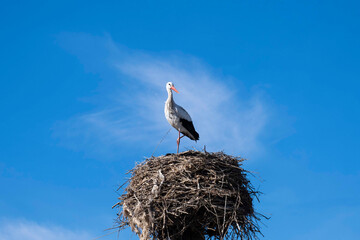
(178, 141)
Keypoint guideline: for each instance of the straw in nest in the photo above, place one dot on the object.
(191, 195)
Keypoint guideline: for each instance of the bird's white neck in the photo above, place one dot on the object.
(170, 99)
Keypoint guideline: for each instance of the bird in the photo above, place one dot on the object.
(178, 117)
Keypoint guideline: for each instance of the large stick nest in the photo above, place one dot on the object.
(191, 195)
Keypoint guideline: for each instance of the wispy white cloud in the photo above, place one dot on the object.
(227, 116)
(27, 230)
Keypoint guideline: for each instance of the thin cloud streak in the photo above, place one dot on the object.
(225, 119)
(21, 229)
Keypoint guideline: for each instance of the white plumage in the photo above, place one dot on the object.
(178, 117)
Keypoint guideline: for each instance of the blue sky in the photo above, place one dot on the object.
(82, 94)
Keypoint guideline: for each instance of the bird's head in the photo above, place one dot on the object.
(170, 86)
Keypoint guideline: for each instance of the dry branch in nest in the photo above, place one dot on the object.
(191, 195)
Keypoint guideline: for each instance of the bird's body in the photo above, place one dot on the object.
(178, 117)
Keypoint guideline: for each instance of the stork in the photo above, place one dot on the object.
(178, 117)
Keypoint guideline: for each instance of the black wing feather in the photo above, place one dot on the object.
(190, 127)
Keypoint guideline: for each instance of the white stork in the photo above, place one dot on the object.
(178, 117)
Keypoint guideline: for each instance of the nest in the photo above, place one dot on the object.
(191, 195)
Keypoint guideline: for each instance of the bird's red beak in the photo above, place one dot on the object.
(173, 88)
